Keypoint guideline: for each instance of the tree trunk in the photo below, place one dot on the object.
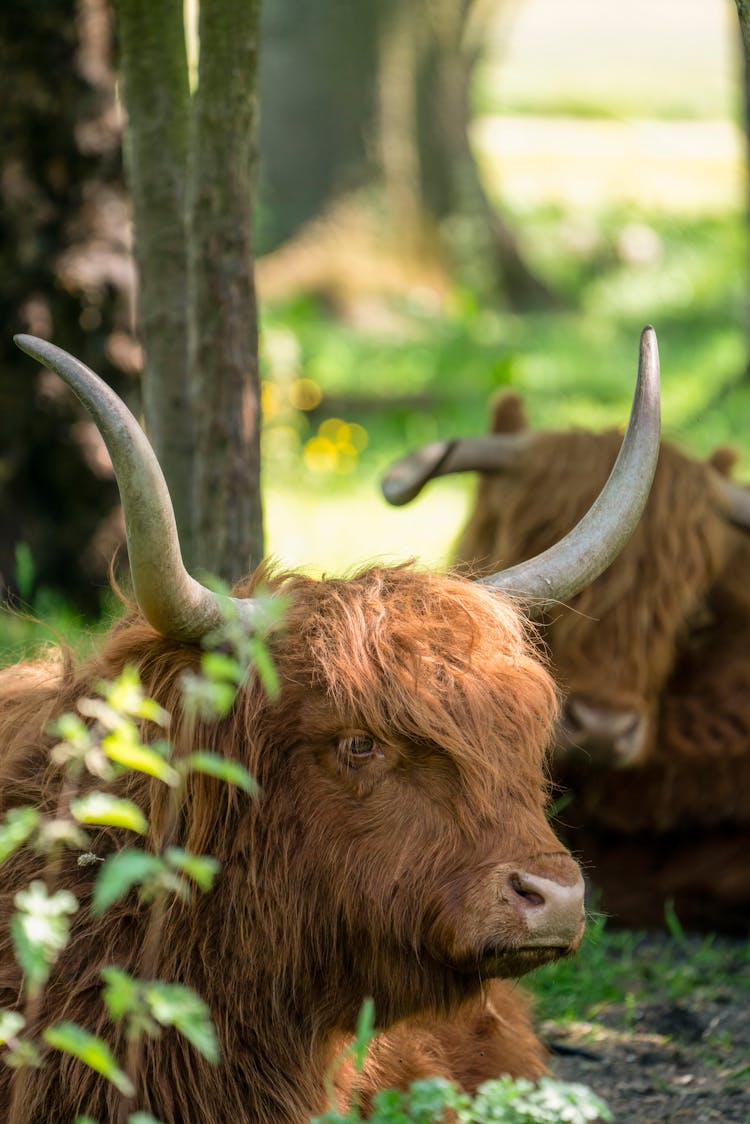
(153, 64)
(65, 275)
(222, 312)
(318, 72)
(451, 182)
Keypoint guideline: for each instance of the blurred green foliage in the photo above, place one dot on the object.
(432, 374)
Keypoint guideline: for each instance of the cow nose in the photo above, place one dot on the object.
(614, 738)
(553, 912)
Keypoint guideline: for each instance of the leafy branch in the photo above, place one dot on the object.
(105, 739)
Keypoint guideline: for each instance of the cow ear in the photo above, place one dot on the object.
(723, 459)
(508, 414)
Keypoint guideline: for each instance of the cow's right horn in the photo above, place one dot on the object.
(585, 552)
(173, 602)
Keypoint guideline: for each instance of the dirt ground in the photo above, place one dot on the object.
(658, 1060)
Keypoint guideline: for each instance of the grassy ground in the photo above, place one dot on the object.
(616, 966)
(655, 1023)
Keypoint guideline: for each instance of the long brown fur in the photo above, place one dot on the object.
(664, 632)
(338, 883)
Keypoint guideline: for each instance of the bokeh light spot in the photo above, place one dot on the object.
(305, 394)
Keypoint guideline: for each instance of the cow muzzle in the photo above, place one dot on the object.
(606, 737)
(515, 917)
(552, 912)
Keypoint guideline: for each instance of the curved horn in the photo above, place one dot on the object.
(736, 501)
(172, 602)
(585, 552)
(492, 452)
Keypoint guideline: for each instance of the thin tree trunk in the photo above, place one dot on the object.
(153, 64)
(451, 181)
(397, 75)
(222, 313)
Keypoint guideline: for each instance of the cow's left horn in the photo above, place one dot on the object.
(585, 552)
(172, 602)
(491, 452)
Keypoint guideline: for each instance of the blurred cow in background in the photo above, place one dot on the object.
(653, 657)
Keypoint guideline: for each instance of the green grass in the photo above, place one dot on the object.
(616, 966)
(25, 631)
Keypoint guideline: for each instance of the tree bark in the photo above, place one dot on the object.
(65, 275)
(222, 312)
(153, 65)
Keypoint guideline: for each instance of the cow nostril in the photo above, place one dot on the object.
(531, 897)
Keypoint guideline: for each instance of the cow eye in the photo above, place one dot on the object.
(357, 749)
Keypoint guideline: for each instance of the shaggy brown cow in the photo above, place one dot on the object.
(399, 850)
(654, 658)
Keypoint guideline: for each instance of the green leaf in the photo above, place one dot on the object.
(547, 1100)
(38, 902)
(101, 712)
(365, 1033)
(110, 811)
(72, 730)
(120, 872)
(10, 1024)
(32, 956)
(15, 829)
(126, 696)
(54, 832)
(430, 1097)
(142, 1118)
(23, 1054)
(175, 1005)
(207, 698)
(265, 667)
(121, 993)
(220, 667)
(390, 1107)
(214, 765)
(124, 746)
(201, 868)
(73, 1039)
(39, 930)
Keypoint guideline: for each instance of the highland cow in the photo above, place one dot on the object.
(653, 658)
(399, 849)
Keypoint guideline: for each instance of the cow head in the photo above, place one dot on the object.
(614, 645)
